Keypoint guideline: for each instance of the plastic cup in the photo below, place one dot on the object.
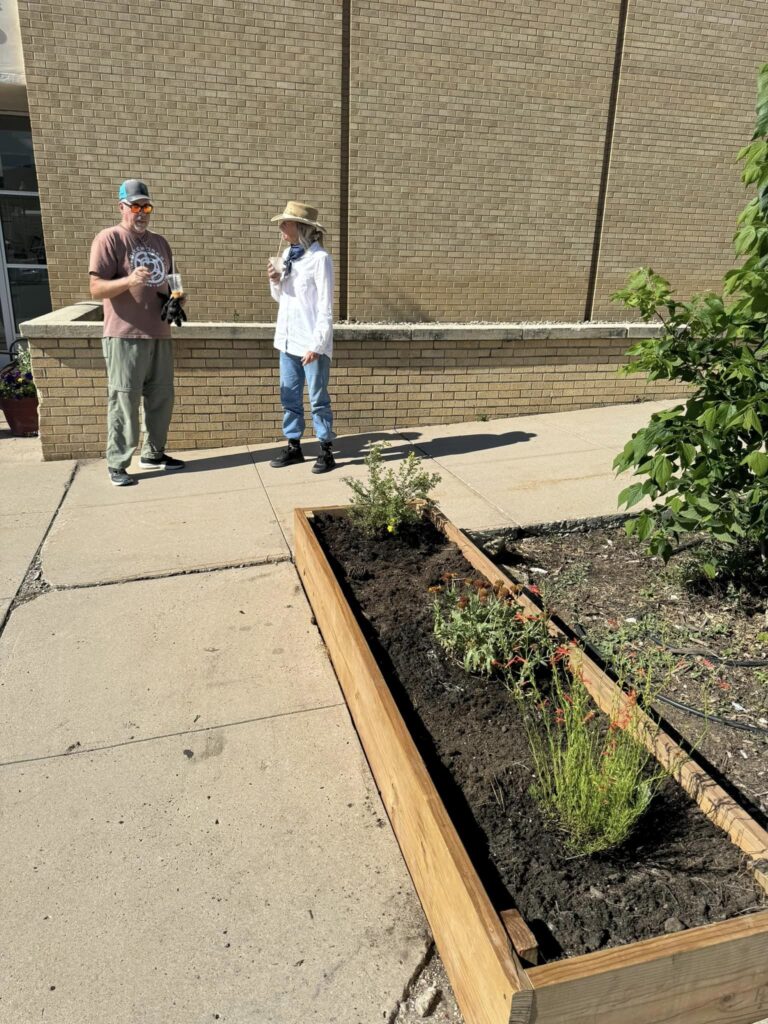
(174, 283)
(276, 263)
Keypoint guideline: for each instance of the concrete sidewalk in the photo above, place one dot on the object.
(192, 833)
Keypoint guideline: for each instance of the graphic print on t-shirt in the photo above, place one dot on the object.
(142, 255)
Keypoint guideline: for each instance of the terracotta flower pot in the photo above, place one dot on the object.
(21, 414)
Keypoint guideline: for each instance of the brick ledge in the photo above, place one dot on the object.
(80, 321)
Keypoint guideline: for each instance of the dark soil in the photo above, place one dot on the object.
(677, 871)
(604, 581)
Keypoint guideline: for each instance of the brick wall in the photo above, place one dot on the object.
(686, 107)
(476, 142)
(383, 377)
(226, 108)
(460, 171)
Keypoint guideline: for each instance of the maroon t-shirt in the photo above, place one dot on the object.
(115, 252)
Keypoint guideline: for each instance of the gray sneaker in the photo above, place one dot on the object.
(120, 478)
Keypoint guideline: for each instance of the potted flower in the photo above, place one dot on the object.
(18, 395)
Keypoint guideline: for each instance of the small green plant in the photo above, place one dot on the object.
(16, 380)
(636, 646)
(704, 464)
(568, 584)
(595, 782)
(388, 500)
(486, 630)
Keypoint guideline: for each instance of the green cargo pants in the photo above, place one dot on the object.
(137, 368)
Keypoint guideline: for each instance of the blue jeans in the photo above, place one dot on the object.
(292, 377)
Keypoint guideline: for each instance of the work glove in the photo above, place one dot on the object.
(172, 310)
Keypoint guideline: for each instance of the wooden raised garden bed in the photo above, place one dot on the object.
(713, 974)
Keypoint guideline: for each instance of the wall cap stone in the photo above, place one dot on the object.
(78, 321)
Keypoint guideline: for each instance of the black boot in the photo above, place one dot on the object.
(325, 459)
(289, 455)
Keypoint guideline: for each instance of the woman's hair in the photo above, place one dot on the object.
(309, 234)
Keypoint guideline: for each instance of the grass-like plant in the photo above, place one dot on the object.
(388, 500)
(594, 780)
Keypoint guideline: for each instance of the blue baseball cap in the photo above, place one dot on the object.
(133, 191)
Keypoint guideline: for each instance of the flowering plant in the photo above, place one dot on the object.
(16, 380)
(389, 501)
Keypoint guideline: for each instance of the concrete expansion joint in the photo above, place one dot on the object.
(411, 987)
(77, 748)
(174, 573)
(34, 583)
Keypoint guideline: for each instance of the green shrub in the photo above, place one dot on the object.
(703, 464)
(389, 500)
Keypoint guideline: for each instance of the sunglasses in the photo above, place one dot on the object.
(139, 207)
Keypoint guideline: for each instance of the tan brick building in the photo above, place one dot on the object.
(481, 160)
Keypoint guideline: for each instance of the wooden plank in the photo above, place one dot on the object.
(721, 808)
(522, 938)
(483, 969)
(717, 974)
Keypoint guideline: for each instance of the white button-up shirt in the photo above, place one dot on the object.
(305, 311)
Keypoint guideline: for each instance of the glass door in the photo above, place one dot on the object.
(24, 291)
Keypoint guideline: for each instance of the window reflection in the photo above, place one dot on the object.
(30, 293)
(17, 158)
(22, 229)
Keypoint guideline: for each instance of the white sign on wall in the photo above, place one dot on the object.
(11, 54)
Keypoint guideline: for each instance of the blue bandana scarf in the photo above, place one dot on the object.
(294, 253)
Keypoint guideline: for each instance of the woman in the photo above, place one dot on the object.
(302, 284)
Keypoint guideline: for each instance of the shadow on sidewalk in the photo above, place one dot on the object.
(351, 450)
(437, 447)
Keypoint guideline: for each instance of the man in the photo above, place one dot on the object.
(128, 268)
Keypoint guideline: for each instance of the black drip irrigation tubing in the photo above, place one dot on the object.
(731, 723)
(697, 652)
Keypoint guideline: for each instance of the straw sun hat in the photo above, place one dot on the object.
(301, 214)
